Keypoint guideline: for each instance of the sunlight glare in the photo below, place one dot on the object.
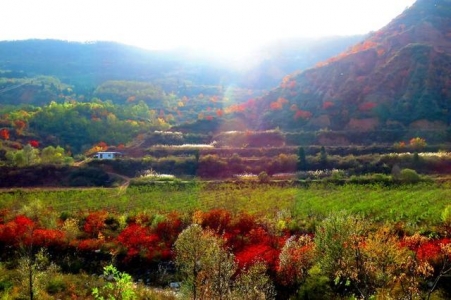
(231, 28)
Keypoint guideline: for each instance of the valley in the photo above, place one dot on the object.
(313, 169)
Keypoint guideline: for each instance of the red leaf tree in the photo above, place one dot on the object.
(4, 134)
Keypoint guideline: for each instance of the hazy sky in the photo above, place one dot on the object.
(224, 26)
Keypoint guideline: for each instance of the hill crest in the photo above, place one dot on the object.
(398, 76)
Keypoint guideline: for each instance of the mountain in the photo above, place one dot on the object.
(87, 65)
(397, 78)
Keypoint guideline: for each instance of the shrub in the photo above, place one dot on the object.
(121, 286)
(263, 177)
(417, 143)
(55, 285)
(316, 287)
(5, 285)
(409, 176)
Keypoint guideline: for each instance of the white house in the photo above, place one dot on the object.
(107, 155)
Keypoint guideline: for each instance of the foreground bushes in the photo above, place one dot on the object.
(220, 253)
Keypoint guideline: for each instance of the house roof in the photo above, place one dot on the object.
(108, 152)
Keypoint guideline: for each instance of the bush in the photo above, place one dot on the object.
(316, 287)
(263, 177)
(409, 176)
(5, 285)
(55, 285)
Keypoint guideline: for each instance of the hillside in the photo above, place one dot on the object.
(86, 65)
(398, 78)
(79, 94)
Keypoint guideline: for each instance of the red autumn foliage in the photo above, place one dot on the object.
(209, 118)
(48, 237)
(217, 220)
(302, 114)
(276, 105)
(236, 236)
(169, 229)
(19, 125)
(260, 246)
(90, 244)
(95, 222)
(291, 272)
(244, 224)
(19, 230)
(219, 112)
(254, 253)
(431, 250)
(102, 145)
(34, 143)
(4, 134)
(140, 241)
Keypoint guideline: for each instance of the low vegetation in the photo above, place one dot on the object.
(225, 254)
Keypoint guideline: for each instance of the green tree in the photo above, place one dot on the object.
(254, 283)
(35, 270)
(31, 155)
(16, 158)
(323, 157)
(119, 288)
(337, 241)
(54, 155)
(302, 161)
(204, 263)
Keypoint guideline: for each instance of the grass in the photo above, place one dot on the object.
(416, 205)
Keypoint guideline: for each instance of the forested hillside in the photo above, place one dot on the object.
(79, 94)
(398, 78)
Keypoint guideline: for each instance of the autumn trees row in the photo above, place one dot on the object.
(222, 256)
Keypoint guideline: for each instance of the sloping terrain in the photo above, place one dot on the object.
(399, 77)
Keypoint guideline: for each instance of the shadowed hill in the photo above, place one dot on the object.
(86, 65)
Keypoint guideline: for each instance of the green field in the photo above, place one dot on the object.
(415, 205)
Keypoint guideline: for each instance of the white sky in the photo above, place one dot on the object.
(223, 26)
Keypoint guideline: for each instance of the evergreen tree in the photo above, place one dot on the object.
(302, 161)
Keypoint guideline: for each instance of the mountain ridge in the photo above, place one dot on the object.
(96, 62)
(394, 78)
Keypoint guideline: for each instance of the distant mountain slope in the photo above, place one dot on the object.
(398, 77)
(86, 65)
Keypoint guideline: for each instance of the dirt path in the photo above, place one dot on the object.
(123, 187)
(80, 163)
